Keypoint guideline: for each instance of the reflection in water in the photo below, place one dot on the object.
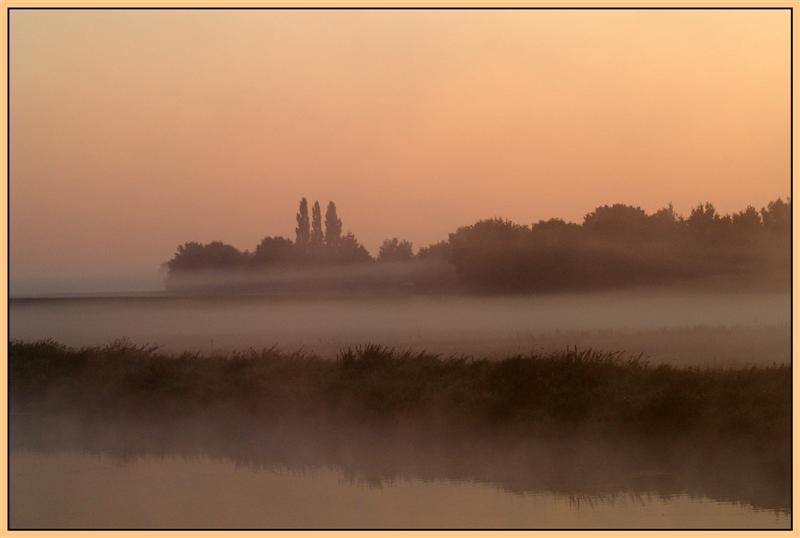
(74, 490)
(69, 473)
(217, 471)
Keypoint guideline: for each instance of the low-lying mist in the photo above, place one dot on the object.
(673, 326)
(86, 284)
(336, 280)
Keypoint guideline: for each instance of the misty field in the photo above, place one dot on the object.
(676, 327)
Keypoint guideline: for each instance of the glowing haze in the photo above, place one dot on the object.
(134, 131)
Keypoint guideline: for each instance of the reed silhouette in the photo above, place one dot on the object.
(559, 390)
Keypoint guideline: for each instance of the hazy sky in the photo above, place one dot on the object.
(134, 131)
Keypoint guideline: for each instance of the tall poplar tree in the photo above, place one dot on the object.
(316, 225)
(333, 225)
(302, 229)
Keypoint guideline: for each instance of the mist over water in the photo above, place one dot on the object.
(680, 327)
(219, 472)
(85, 284)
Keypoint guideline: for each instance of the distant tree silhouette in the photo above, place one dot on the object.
(617, 222)
(316, 226)
(777, 217)
(491, 255)
(215, 255)
(615, 245)
(746, 224)
(333, 225)
(436, 251)
(395, 250)
(302, 231)
(665, 221)
(703, 219)
(348, 250)
(274, 251)
(555, 232)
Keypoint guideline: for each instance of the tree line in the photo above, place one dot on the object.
(614, 245)
(312, 245)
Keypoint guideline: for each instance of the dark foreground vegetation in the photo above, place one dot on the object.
(563, 391)
(615, 246)
(590, 425)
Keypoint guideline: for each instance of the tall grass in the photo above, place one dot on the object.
(564, 390)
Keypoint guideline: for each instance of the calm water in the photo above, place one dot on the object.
(693, 328)
(68, 472)
(65, 474)
(80, 490)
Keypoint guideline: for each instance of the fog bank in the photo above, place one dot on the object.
(678, 327)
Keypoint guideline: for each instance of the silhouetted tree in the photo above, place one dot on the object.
(316, 226)
(555, 232)
(616, 245)
(618, 222)
(348, 250)
(333, 225)
(557, 226)
(274, 251)
(492, 255)
(395, 250)
(302, 231)
(703, 217)
(664, 221)
(708, 226)
(777, 217)
(214, 255)
(436, 251)
(746, 224)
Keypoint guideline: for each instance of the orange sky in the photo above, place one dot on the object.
(133, 131)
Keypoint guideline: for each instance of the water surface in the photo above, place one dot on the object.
(295, 473)
(65, 474)
(79, 490)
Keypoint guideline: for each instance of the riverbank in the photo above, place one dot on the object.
(553, 391)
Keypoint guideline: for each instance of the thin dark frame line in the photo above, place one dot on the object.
(400, 8)
(8, 268)
(791, 265)
(383, 8)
